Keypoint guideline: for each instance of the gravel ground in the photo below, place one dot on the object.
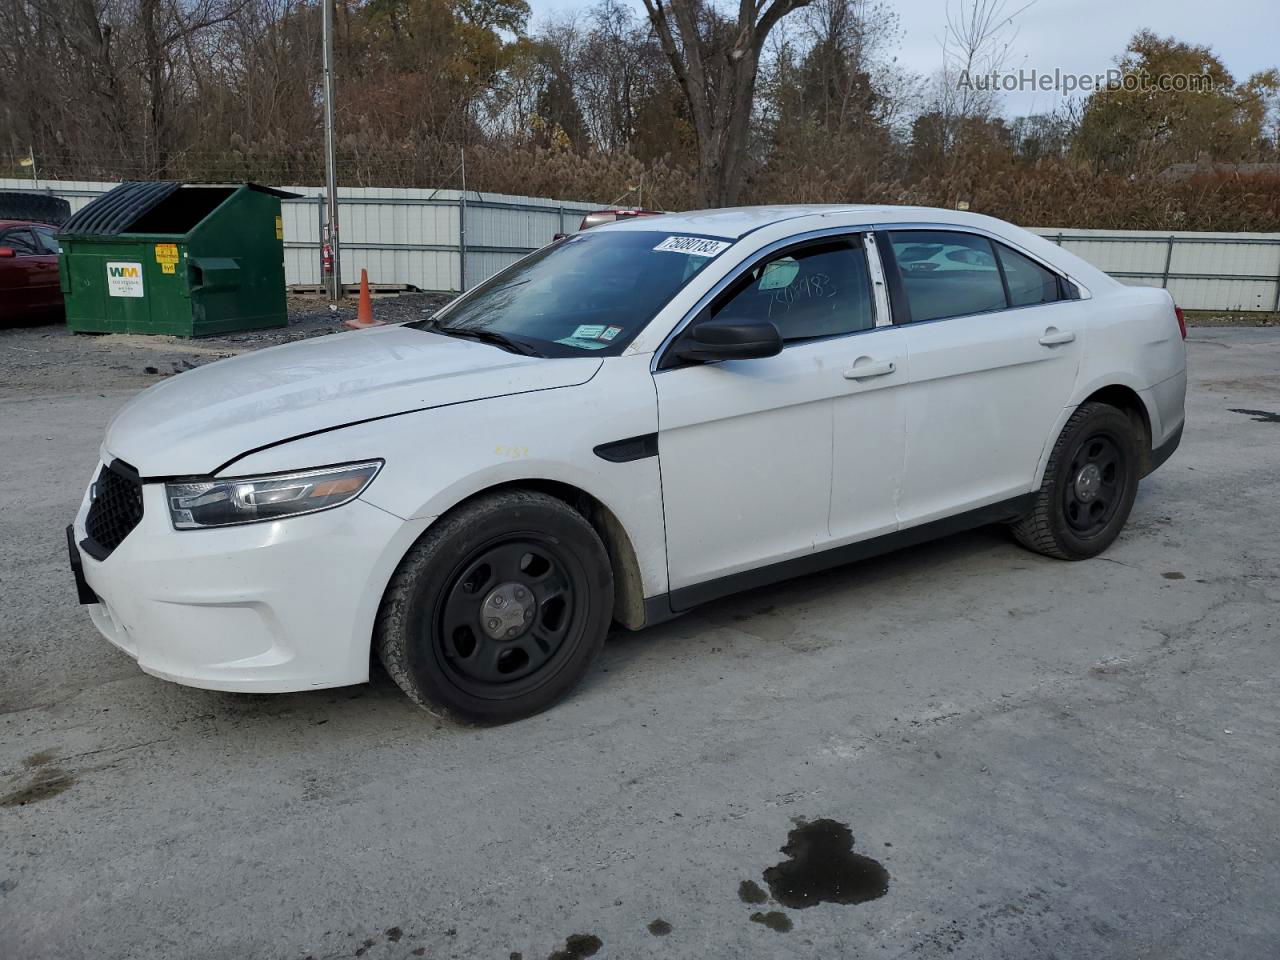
(1217, 318)
(36, 360)
(961, 750)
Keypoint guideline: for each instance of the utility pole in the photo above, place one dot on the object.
(331, 153)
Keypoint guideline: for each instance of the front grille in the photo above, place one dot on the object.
(116, 508)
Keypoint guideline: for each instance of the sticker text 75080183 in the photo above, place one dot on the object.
(697, 246)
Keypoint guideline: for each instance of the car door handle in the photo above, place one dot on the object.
(1054, 338)
(877, 368)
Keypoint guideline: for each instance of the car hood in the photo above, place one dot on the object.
(200, 420)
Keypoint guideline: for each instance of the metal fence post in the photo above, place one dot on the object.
(462, 242)
(1276, 306)
(1168, 259)
(320, 235)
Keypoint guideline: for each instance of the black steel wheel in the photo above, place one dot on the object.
(499, 609)
(1095, 485)
(1089, 485)
(506, 615)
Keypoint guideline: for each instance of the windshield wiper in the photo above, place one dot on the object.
(489, 336)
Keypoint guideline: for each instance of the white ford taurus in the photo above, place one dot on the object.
(625, 424)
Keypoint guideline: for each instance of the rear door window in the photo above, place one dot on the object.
(45, 240)
(945, 274)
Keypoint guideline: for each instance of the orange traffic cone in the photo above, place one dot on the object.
(364, 313)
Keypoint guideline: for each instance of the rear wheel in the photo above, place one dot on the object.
(1089, 486)
(499, 610)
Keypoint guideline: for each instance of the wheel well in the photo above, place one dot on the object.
(628, 587)
(1126, 399)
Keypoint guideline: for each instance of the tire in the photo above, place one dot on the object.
(498, 610)
(1089, 486)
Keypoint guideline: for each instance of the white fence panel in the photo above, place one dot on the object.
(1202, 271)
(498, 233)
(433, 240)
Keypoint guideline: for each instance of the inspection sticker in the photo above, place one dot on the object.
(697, 246)
(124, 279)
(588, 336)
(167, 256)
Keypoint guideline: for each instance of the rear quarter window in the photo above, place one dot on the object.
(1029, 283)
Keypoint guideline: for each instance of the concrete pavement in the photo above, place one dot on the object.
(1048, 759)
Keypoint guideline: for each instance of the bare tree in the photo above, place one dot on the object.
(716, 61)
(622, 67)
(977, 43)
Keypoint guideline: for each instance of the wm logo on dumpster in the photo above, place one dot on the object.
(124, 279)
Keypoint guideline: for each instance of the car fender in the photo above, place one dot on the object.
(1087, 388)
(436, 459)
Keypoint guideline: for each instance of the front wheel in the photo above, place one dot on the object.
(1089, 486)
(497, 612)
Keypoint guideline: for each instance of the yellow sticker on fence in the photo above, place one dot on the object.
(279, 229)
(167, 256)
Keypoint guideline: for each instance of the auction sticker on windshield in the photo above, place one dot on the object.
(697, 246)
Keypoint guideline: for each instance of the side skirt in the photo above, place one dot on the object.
(668, 605)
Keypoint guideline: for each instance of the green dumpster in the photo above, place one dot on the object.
(188, 259)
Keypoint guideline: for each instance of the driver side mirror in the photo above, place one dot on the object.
(713, 340)
(7, 252)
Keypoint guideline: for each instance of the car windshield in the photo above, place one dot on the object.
(590, 293)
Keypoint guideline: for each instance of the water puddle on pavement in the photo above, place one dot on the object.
(1260, 416)
(49, 782)
(46, 781)
(578, 946)
(822, 868)
(774, 920)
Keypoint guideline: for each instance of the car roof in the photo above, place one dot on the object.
(735, 222)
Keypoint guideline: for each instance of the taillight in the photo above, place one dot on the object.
(1182, 321)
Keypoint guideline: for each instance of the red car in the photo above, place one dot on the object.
(29, 287)
(597, 217)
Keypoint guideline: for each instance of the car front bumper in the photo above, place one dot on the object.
(264, 607)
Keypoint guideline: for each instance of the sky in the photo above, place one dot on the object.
(1078, 36)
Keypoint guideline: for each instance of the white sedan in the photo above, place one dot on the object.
(623, 425)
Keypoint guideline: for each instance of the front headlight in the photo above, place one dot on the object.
(217, 503)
